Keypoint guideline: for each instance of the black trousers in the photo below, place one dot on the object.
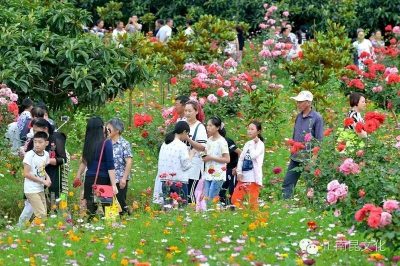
(121, 197)
(227, 187)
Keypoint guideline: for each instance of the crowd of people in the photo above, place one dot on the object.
(198, 164)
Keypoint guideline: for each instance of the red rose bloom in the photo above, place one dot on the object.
(174, 80)
(317, 172)
(359, 127)
(341, 146)
(145, 134)
(348, 121)
(388, 28)
(371, 125)
(328, 131)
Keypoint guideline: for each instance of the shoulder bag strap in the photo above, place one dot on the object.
(195, 131)
(98, 166)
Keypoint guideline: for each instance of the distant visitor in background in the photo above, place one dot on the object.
(158, 24)
(302, 35)
(292, 36)
(232, 48)
(24, 118)
(119, 32)
(361, 45)
(377, 39)
(189, 31)
(133, 25)
(284, 36)
(98, 29)
(240, 38)
(165, 31)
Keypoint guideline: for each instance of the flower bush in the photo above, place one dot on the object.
(367, 167)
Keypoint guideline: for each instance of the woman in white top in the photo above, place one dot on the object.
(174, 162)
(249, 169)
(358, 105)
(216, 158)
(362, 45)
(197, 141)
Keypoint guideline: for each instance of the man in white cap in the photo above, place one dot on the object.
(307, 121)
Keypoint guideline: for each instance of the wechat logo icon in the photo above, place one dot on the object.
(308, 246)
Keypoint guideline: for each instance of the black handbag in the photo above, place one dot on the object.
(247, 162)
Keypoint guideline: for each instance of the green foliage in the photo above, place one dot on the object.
(52, 67)
(323, 62)
(111, 12)
(353, 14)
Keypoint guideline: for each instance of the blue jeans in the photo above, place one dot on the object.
(291, 178)
(212, 188)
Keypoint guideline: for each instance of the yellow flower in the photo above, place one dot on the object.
(139, 251)
(252, 226)
(69, 253)
(299, 262)
(173, 249)
(169, 256)
(114, 256)
(376, 256)
(124, 262)
(166, 232)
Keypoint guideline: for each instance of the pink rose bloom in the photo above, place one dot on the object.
(337, 213)
(253, 87)
(14, 97)
(271, 21)
(396, 30)
(386, 219)
(397, 145)
(349, 167)
(331, 198)
(308, 137)
(390, 205)
(276, 53)
(263, 26)
(341, 191)
(279, 46)
(202, 76)
(230, 62)
(377, 89)
(265, 53)
(221, 92)
(269, 42)
(202, 101)
(265, 5)
(333, 185)
(310, 193)
(285, 13)
(212, 98)
(227, 83)
(391, 70)
(3, 101)
(263, 69)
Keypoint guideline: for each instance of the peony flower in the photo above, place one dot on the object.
(221, 92)
(388, 28)
(390, 205)
(349, 167)
(386, 219)
(269, 42)
(265, 53)
(227, 83)
(396, 30)
(285, 13)
(174, 80)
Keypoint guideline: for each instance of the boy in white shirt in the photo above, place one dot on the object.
(35, 175)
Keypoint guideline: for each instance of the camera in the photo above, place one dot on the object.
(64, 118)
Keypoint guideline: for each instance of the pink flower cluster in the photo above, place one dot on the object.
(396, 30)
(376, 216)
(271, 17)
(6, 95)
(349, 167)
(273, 50)
(398, 142)
(336, 191)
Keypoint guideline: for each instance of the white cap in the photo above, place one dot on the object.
(303, 96)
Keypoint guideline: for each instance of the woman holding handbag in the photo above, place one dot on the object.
(97, 157)
(249, 168)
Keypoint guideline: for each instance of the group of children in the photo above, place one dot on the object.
(199, 164)
(34, 138)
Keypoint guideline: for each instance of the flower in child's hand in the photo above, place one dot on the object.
(77, 183)
(211, 171)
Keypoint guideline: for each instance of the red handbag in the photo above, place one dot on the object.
(103, 193)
